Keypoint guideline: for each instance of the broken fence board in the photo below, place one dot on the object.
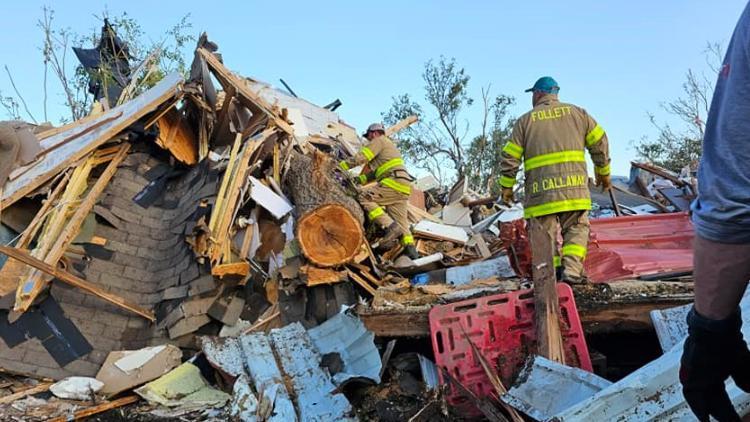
(49, 165)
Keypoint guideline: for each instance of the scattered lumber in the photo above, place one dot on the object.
(31, 285)
(401, 125)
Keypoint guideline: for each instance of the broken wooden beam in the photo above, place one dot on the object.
(401, 125)
(247, 97)
(48, 166)
(39, 388)
(74, 281)
(31, 285)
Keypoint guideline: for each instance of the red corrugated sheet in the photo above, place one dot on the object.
(627, 247)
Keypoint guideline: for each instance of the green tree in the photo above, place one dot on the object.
(440, 143)
(436, 140)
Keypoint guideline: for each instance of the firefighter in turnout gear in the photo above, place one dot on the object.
(550, 141)
(386, 202)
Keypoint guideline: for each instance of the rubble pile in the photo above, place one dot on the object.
(193, 251)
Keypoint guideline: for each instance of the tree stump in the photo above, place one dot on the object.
(329, 235)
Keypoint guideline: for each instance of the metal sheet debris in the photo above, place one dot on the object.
(546, 387)
(345, 335)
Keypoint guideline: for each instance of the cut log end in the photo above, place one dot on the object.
(329, 235)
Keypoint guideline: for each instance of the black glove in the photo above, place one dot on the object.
(708, 359)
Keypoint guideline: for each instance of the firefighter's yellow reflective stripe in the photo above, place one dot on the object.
(375, 213)
(507, 182)
(604, 171)
(515, 151)
(574, 250)
(557, 206)
(367, 153)
(344, 166)
(362, 179)
(594, 136)
(556, 261)
(554, 158)
(407, 239)
(397, 186)
(387, 166)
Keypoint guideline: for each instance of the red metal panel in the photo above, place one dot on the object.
(627, 247)
(503, 329)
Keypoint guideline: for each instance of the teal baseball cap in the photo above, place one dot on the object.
(545, 84)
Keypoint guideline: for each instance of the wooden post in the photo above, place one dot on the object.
(546, 305)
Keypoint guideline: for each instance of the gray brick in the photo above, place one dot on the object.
(127, 215)
(127, 260)
(106, 267)
(110, 233)
(112, 320)
(137, 273)
(122, 247)
(81, 312)
(151, 222)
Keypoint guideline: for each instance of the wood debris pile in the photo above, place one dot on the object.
(202, 213)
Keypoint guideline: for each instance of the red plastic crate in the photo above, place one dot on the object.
(502, 328)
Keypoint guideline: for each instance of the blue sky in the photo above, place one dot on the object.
(616, 59)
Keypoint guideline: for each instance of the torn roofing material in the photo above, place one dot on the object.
(287, 358)
(629, 247)
(546, 387)
(347, 336)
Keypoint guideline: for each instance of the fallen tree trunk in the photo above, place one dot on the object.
(329, 235)
(310, 183)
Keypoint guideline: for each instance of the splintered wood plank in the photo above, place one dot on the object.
(12, 270)
(401, 125)
(176, 136)
(316, 275)
(546, 305)
(49, 165)
(100, 408)
(245, 95)
(30, 287)
(39, 388)
(74, 281)
(361, 281)
(237, 269)
(220, 235)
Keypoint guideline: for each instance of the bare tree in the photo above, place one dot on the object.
(674, 148)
